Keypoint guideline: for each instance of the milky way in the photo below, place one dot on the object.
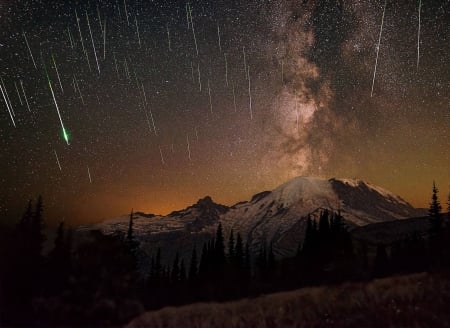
(164, 102)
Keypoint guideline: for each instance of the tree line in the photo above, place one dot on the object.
(101, 281)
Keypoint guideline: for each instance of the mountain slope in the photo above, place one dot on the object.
(276, 217)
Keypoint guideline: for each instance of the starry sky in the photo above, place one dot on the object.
(164, 102)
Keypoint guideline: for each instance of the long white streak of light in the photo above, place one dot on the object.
(89, 174)
(199, 77)
(250, 94)
(29, 49)
(418, 36)
(18, 93)
(57, 73)
(104, 40)
(99, 19)
(150, 109)
(168, 37)
(378, 48)
(57, 160)
(148, 122)
(93, 44)
(7, 106)
(70, 37)
(57, 110)
(245, 62)
(77, 86)
(234, 98)
(187, 15)
(115, 64)
(188, 146)
(25, 95)
(210, 100)
(226, 68)
(162, 157)
(137, 30)
(82, 42)
(145, 95)
(126, 11)
(193, 30)
(7, 97)
(218, 35)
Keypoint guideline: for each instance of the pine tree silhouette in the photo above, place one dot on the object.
(37, 236)
(192, 276)
(231, 246)
(435, 211)
(219, 246)
(239, 252)
(182, 271)
(175, 273)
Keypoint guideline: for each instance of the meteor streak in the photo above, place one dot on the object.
(168, 37)
(82, 42)
(25, 96)
(249, 94)
(57, 73)
(188, 146)
(89, 174)
(234, 99)
(7, 106)
(378, 48)
(137, 30)
(29, 49)
(18, 93)
(218, 36)
(65, 134)
(210, 101)
(93, 44)
(162, 157)
(226, 68)
(193, 30)
(418, 36)
(57, 160)
(126, 12)
(7, 97)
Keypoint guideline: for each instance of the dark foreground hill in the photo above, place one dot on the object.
(419, 300)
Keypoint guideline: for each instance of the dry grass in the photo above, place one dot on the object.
(420, 300)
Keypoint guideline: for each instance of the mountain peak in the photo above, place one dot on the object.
(205, 201)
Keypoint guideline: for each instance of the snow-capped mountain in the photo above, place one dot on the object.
(276, 217)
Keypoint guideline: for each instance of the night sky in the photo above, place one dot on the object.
(143, 135)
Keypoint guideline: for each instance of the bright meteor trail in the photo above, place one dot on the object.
(378, 49)
(65, 134)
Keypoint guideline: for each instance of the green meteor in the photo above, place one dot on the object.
(65, 134)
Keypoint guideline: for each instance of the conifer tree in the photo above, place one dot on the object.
(231, 246)
(435, 211)
(37, 236)
(193, 267)
(158, 270)
(239, 251)
(175, 273)
(204, 259)
(219, 246)
(58, 251)
(448, 208)
(182, 271)
(131, 242)
(130, 228)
